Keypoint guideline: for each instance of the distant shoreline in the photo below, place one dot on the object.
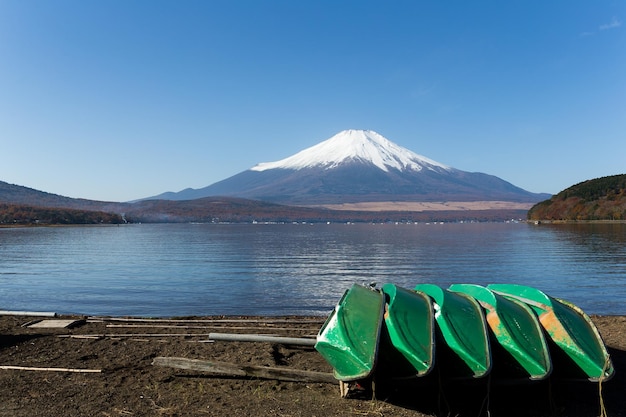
(536, 222)
(423, 206)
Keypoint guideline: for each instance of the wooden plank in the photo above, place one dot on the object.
(231, 369)
(55, 324)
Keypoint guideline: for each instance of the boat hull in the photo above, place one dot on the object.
(461, 327)
(409, 333)
(349, 339)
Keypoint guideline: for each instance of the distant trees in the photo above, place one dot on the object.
(599, 199)
(606, 187)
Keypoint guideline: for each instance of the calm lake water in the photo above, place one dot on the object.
(210, 269)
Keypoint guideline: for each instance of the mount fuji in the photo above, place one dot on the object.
(359, 166)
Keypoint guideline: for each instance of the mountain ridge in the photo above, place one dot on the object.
(210, 210)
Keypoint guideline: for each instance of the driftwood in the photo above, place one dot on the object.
(28, 368)
(81, 336)
(231, 369)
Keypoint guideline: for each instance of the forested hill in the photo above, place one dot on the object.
(17, 214)
(598, 199)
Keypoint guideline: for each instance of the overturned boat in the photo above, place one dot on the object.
(462, 333)
(349, 338)
(408, 345)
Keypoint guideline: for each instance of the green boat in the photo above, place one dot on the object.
(571, 330)
(516, 329)
(409, 326)
(461, 327)
(349, 338)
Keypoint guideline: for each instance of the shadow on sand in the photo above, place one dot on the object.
(494, 397)
(16, 339)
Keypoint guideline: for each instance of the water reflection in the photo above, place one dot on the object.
(587, 264)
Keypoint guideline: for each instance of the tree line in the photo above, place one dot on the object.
(15, 214)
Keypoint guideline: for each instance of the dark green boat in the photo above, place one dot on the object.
(349, 338)
(463, 330)
(571, 330)
(516, 329)
(409, 325)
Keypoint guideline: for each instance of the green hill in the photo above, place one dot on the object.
(598, 199)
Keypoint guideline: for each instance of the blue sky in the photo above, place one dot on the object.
(118, 100)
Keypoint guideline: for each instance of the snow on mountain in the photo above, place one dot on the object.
(355, 145)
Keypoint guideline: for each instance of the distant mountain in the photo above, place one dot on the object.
(598, 199)
(358, 166)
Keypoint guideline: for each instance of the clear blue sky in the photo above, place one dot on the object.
(121, 99)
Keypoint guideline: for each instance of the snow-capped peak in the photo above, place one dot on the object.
(355, 145)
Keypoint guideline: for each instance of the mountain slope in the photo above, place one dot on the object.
(17, 194)
(358, 166)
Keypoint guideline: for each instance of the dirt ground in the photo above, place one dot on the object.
(130, 385)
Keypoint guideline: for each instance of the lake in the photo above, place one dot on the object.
(165, 270)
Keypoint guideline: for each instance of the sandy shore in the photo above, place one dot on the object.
(108, 371)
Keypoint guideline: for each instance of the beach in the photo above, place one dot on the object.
(104, 366)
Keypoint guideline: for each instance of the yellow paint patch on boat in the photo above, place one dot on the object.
(553, 325)
(493, 320)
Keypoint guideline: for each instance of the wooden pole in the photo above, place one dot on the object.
(232, 337)
(28, 368)
(209, 320)
(136, 335)
(231, 369)
(178, 326)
